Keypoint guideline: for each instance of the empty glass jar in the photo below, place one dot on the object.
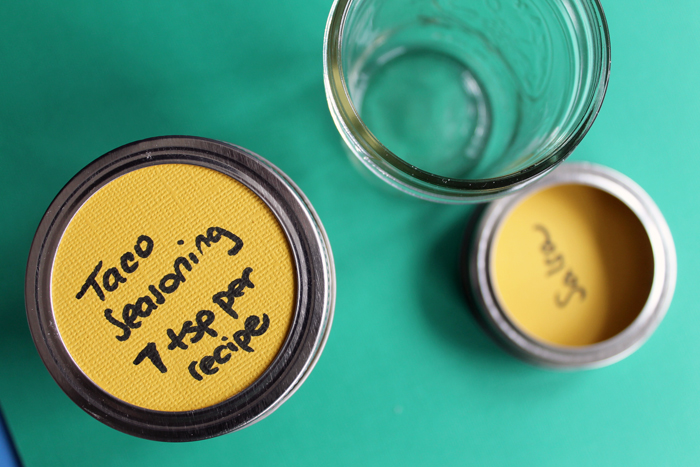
(464, 100)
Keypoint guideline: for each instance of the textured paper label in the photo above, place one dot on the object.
(173, 287)
(572, 265)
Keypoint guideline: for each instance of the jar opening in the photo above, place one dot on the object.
(439, 102)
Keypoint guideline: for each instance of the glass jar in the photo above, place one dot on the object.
(463, 101)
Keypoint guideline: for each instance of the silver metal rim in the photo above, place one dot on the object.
(314, 303)
(517, 341)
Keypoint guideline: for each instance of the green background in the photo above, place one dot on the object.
(407, 377)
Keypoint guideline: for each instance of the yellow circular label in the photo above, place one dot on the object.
(174, 287)
(572, 265)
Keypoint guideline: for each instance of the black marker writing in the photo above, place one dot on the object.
(214, 235)
(171, 282)
(571, 281)
(556, 263)
(204, 319)
(126, 330)
(151, 352)
(253, 327)
(133, 313)
(235, 289)
(552, 258)
(112, 277)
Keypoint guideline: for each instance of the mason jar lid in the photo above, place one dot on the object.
(576, 271)
(179, 288)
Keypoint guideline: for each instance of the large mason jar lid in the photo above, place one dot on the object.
(179, 288)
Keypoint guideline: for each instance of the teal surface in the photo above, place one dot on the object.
(408, 377)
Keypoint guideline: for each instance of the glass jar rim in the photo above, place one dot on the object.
(417, 182)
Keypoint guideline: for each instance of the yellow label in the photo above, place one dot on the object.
(572, 265)
(173, 287)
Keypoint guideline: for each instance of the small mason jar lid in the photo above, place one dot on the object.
(179, 288)
(576, 271)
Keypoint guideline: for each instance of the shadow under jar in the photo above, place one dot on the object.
(463, 101)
